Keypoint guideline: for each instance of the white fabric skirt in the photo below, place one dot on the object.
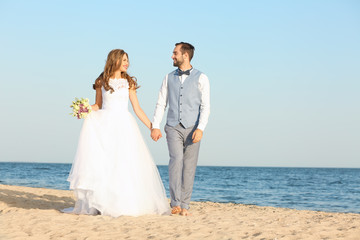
(113, 172)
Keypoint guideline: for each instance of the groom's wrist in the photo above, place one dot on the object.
(155, 126)
(201, 127)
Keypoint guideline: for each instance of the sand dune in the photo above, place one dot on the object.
(33, 213)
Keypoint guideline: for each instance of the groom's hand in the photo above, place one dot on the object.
(155, 134)
(197, 135)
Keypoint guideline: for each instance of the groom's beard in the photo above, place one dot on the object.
(177, 63)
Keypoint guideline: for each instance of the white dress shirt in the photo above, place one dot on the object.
(204, 87)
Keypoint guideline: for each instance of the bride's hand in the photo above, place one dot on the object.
(155, 134)
(94, 107)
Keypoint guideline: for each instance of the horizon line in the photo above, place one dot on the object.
(205, 165)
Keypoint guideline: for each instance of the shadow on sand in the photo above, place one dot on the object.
(27, 200)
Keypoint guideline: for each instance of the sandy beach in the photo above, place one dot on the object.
(33, 213)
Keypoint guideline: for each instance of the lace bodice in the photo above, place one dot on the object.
(118, 100)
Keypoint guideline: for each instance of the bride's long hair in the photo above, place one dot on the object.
(113, 64)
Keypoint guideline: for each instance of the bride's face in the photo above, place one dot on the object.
(124, 63)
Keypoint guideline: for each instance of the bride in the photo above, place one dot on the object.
(113, 172)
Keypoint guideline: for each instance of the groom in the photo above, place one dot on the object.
(187, 93)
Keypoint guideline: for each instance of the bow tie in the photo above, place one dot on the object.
(187, 72)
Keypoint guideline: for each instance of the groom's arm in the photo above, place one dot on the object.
(204, 87)
(159, 110)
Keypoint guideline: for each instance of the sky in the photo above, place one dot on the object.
(284, 75)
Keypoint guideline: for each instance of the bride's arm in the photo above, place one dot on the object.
(98, 100)
(137, 109)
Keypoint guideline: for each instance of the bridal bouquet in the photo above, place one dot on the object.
(81, 108)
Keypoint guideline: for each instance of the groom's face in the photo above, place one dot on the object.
(177, 56)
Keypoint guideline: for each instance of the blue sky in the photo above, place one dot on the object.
(284, 75)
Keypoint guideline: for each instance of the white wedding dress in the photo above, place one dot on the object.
(113, 171)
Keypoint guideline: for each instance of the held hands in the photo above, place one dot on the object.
(155, 134)
(197, 135)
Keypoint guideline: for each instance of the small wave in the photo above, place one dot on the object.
(42, 168)
(336, 182)
(296, 185)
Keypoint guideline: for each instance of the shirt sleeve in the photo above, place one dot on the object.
(161, 104)
(204, 87)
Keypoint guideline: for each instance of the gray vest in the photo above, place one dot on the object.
(184, 99)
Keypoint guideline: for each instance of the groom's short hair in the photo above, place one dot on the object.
(186, 48)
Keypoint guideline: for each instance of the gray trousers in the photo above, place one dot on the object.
(182, 166)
